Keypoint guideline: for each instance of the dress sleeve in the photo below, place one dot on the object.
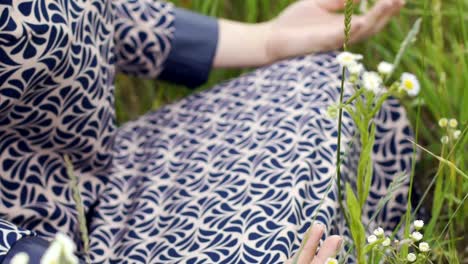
(155, 39)
(15, 240)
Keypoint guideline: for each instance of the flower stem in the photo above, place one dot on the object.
(349, 7)
(338, 155)
(79, 208)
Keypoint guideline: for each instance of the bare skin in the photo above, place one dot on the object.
(305, 27)
(309, 255)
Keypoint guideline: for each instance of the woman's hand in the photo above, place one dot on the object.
(305, 27)
(313, 25)
(308, 253)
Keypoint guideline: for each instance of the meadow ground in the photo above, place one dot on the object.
(439, 58)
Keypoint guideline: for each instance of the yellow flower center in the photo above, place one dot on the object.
(409, 85)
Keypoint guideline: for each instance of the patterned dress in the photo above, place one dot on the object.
(234, 174)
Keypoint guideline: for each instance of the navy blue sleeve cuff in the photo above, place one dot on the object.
(34, 246)
(193, 49)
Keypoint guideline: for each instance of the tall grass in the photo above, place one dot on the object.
(439, 58)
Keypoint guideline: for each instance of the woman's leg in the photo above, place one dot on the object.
(239, 172)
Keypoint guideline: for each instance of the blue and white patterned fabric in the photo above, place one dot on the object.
(235, 174)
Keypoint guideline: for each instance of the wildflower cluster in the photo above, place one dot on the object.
(378, 237)
(381, 247)
(374, 81)
(451, 130)
(60, 251)
(370, 93)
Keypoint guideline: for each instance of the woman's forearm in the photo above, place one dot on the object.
(305, 27)
(242, 45)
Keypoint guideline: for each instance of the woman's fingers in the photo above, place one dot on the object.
(382, 8)
(363, 26)
(337, 36)
(376, 18)
(396, 7)
(381, 14)
(308, 251)
(333, 5)
(310, 246)
(329, 249)
(358, 25)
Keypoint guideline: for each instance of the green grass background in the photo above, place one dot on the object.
(439, 58)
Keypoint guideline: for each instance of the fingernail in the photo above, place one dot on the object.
(338, 246)
(319, 225)
(306, 236)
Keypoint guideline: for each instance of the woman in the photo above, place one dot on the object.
(235, 174)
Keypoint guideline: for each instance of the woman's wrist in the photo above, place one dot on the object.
(243, 45)
(271, 46)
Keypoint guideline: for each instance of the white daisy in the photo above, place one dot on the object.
(410, 84)
(424, 247)
(386, 242)
(331, 261)
(356, 68)
(418, 224)
(416, 236)
(453, 123)
(371, 239)
(379, 232)
(372, 81)
(443, 122)
(411, 257)
(456, 134)
(347, 59)
(385, 68)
